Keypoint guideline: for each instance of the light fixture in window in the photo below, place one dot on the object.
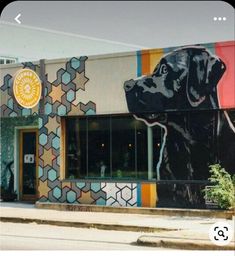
(102, 145)
(129, 145)
(94, 125)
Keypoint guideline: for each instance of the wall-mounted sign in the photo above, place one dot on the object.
(29, 159)
(27, 88)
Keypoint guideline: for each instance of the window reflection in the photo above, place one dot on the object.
(123, 147)
(141, 150)
(76, 148)
(98, 147)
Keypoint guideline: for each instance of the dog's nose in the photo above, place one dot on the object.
(128, 85)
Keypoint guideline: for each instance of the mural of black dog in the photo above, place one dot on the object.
(184, 81)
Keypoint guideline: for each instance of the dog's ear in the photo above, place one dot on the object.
(215, 70)
(205, 71)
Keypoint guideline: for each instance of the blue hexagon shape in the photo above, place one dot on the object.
(45, 91)
(52, 175)
(43, 139)
(90, 112)
(56, 142)
(66, 77)
(61, 110)
(57, 192)
(26, 112)
(58, 160)
(80, 184)
(71, 196)
(10, 103)
(48, 108)
(40, 172)
(75, 63)
(95, 187)
(13, 114)
(70, 95)
(40, 122)
(101, 201)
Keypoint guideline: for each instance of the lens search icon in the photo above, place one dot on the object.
(221, 233)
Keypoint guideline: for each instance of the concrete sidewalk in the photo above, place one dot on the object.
(175, 231)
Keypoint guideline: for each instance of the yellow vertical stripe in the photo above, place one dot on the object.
(155, 56)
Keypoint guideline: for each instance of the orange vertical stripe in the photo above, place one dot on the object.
(145, 192)
(148, 194)
(145, 62)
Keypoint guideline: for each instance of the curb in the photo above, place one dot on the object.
(103, 226)
(224, 214)
(182, 244)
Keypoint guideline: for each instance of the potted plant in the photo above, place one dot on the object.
(222, 191)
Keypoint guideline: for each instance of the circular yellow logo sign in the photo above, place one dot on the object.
(27, 88)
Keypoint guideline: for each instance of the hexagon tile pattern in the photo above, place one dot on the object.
(98, 193)
(61, 99)
(62, 94)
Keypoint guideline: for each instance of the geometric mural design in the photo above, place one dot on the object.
(120, 194)
(61, 95)
(97, 193)
(61, 99)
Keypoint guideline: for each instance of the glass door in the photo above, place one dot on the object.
(28, 164)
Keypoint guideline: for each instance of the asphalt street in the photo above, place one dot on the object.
(16, 236)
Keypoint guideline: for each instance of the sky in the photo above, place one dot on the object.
(150, 24)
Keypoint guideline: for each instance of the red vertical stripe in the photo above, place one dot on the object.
(226, 86)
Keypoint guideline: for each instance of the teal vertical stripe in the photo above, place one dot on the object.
(210, 47)
(139, 203)
(139, 63)
(169, 49)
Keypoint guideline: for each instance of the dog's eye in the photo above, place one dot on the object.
(163, 69)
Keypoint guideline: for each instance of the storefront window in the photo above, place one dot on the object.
(181, 147)
(106, 147)
(141, 137)
(203, 129)
(123, 147)
(98, 147)
(76, 147)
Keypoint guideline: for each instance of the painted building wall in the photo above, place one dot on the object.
(67, 90)
(100, 80)
(94, 86)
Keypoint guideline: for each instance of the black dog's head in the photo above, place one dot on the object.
(184, 79)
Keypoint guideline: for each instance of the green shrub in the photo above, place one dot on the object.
(223, 190)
